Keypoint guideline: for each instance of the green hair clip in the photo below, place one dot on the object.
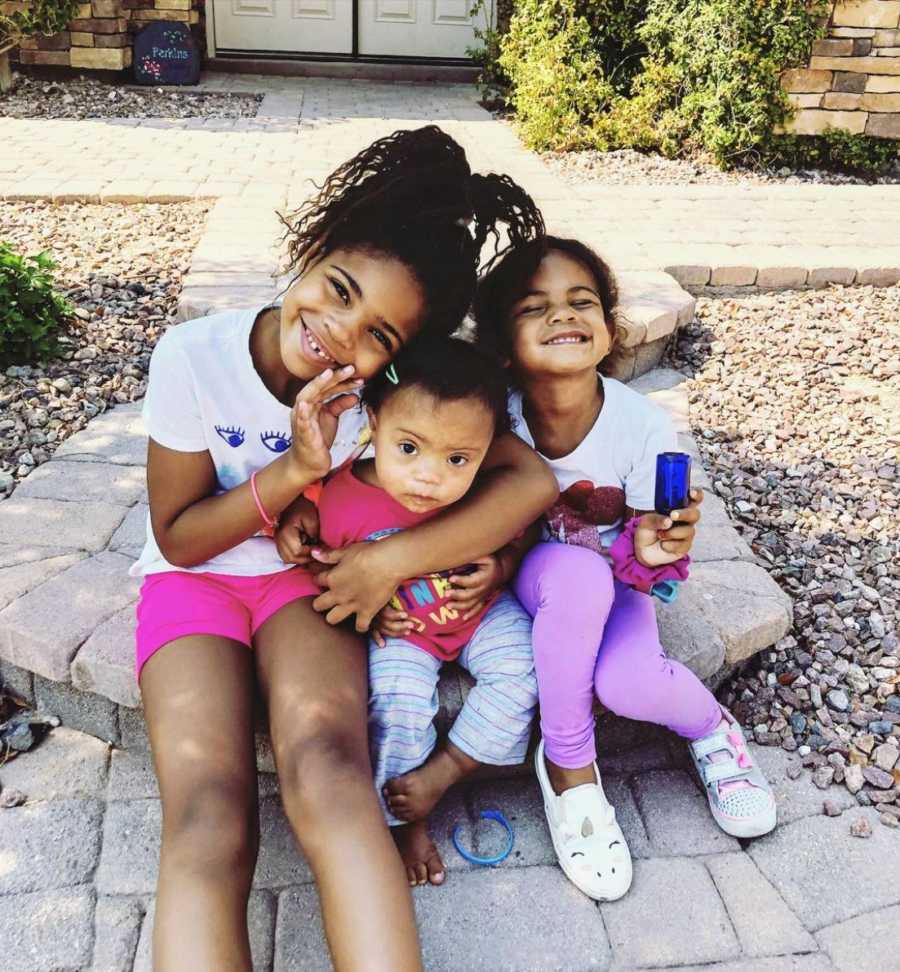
(391, 374)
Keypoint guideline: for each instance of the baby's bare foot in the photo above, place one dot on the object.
(420, 857)
(413, 796)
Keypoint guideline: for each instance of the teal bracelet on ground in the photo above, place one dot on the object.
(497, 858)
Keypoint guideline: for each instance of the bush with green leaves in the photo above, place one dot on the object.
(38, 17)
(836, 149)
(675, 76)
(32, 313)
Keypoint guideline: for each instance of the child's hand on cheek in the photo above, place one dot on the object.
(471, 590)
(314, 419)
(663, 539)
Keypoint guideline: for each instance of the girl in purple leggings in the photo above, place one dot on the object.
(549, 307)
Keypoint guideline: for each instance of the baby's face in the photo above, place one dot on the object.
(427, 452)
(558, 325)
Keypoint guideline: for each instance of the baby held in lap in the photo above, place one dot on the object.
(433, 415)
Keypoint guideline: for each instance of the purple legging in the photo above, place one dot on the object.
(593, 634)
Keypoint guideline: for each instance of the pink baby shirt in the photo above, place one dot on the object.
(350, 511)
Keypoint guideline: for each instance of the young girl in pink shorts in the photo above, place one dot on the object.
(549, 307)
(245, 410)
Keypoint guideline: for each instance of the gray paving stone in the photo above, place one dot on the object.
(280, 863)
(131, 776)
(260, 924)
(129, 859)
(17, 680)
(47, 930)
(79, 481)
(39, 636)
(736, 603)
(784, 963)
(21, 578)
(117, 436)
(48, 845)
(763, 922)
(648, 756)
(474, 922)
(798, 798)
(129, 538)
(671, 915)
(864, 944)
(825, 874)
(105, 663)
(79, 710)
(470, 924)
(299, 936)
(117, 926)
(689, 636)
(66, 764)
(676, 815)
(55, 523)
(133, 729)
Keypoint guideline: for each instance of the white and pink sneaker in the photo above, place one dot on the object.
(740, 798)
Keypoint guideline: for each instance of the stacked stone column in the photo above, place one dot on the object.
(102, 34)
(853, 78)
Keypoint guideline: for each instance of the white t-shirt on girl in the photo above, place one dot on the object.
(205, 395)
(614, 466)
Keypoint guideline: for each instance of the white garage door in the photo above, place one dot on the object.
(391, 28)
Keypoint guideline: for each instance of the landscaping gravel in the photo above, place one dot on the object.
(626, 167)
(121, 267)
(794, 403)
(90, 98)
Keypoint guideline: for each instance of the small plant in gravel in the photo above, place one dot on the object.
(37, 17)
(32, 313)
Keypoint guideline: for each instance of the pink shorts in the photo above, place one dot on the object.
(176, 604)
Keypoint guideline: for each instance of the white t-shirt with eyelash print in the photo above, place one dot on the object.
(204, 395)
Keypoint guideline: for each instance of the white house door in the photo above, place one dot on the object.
(417, 28)
(295, 26)
(384, 28)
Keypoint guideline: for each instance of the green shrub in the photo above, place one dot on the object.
(32, 314)
(557, 80)
(39, 17)
(836, 149)
(674, 76)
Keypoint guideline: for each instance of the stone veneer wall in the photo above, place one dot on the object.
(101, 36)
(853, 78)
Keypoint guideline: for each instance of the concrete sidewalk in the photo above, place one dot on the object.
(78, 872)
(768, 236)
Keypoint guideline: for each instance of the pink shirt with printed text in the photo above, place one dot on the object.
(351, 511)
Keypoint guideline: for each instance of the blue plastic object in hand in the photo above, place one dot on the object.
(673, 492)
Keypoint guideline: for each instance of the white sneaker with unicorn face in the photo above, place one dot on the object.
(740, 798)
(588, 841)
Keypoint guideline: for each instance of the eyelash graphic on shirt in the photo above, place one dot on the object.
(233, 435)
(275, 441)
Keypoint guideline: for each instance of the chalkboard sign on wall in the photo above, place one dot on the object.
(165, 53)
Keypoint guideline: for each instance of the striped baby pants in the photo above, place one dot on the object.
(494, 723)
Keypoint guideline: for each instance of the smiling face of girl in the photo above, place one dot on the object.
(558, 326)
(351, 307)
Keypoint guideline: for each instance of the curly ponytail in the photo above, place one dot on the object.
(412, 196)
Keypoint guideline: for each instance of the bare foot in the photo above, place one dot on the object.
(420, 857)
(413, 796)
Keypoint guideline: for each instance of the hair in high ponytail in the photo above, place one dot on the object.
(412, 196)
